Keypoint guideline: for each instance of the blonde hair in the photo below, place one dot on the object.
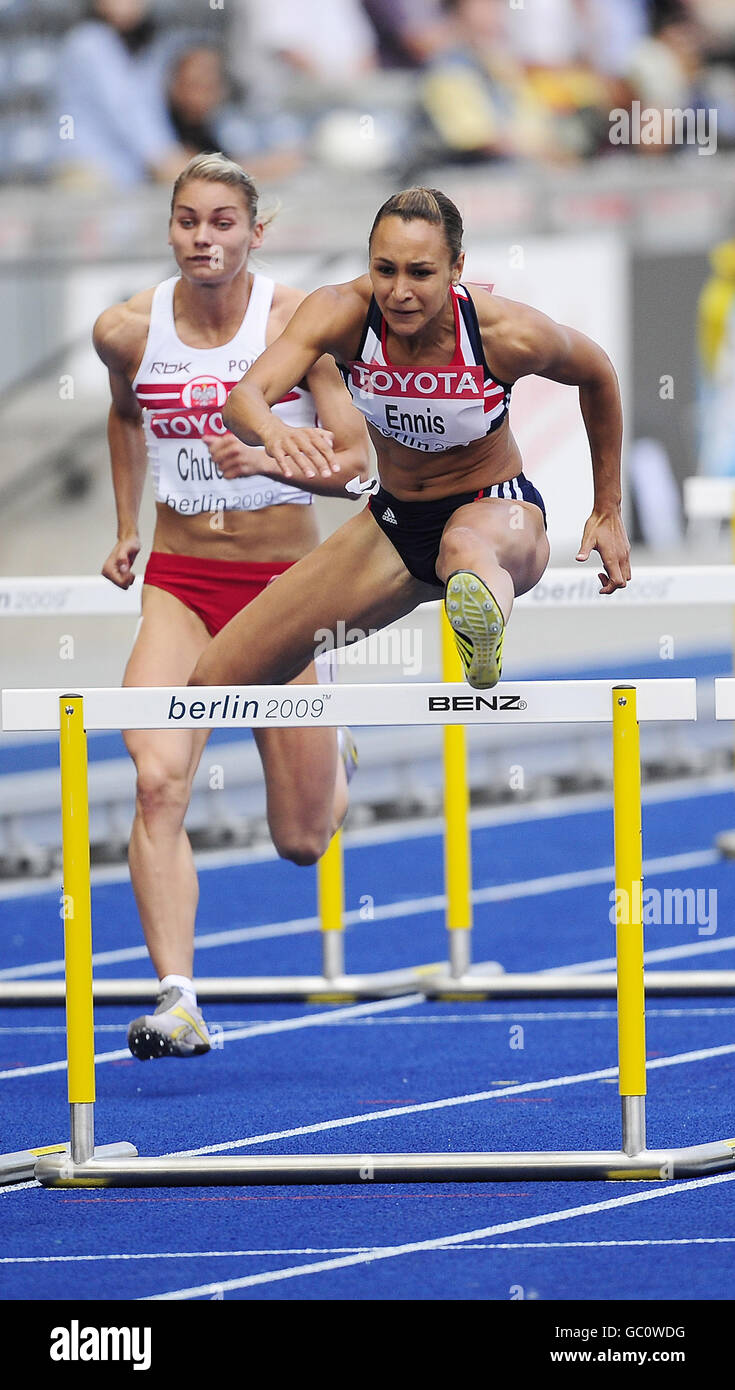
(430, 205)
(217, 168)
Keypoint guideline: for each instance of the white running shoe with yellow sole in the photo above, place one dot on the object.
(347, 749)
(478, 626)
(176, 1029)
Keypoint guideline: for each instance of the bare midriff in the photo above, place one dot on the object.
(413, 475)
(285, 532)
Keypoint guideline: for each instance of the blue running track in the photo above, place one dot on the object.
(392, 1075)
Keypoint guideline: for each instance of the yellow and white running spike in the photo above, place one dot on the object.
(478, 627)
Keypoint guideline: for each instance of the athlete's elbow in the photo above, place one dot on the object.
(229, 414)
(233, 421)
(603, 371)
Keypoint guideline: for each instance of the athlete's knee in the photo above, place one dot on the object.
(162, 788)
(458, 549)
(302, 845)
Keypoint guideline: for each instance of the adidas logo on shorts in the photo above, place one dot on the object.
(388, 515)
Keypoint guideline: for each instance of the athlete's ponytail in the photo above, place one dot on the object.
(429, 205)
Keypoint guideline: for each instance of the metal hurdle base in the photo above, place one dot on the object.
(309, 989)
(433, 981)
(548, 985)
(20, 1167)
(217, 1170)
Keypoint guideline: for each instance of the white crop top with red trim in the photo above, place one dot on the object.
(182, 390)
(428, 408)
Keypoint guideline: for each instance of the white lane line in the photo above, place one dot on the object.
(343, 1122)
(566, 1016)
(596, 1244)
(18, 1186)
(688, 948)
(515, 1015)
(287, 1025)
(298, 926)
(184, 1255)
(411, 907)
(255, 1030)
(391, 1252)
(360, 1249)
(419, 1107)
(549, 808)
(59, 1029)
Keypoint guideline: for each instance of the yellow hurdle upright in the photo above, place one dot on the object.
(77, 911)
(457, 861)
(629, 916)
(331, 895)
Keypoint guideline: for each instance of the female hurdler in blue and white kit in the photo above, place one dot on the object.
(431, 364)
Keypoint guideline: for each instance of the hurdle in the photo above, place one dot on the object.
(623, 705)
(713, 499)
(457, 977)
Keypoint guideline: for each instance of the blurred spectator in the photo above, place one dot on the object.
(716, 356)
(409, 32)
(110, 106)
(485, 98)
(666, 66)
(549, 33)
(302, 47)
(612, 32)
(205, 116)
(717, 18)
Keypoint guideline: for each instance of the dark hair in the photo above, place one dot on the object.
(430, 205)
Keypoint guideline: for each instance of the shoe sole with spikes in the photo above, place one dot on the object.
(478, 627)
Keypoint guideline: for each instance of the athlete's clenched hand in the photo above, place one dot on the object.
(118, 566)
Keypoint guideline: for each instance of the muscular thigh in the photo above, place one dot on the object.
(168, 644)
(356, 577)
(514, 531)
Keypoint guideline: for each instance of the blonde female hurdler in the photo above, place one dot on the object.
(431, 364)
(227, 524)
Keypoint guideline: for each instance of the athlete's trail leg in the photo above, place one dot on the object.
(355, 578)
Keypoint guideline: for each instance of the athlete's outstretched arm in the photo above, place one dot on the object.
(337, 416)
(316, 328)
(533, 344)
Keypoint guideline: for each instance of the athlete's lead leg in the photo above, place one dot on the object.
(491, 550)
(355, 579)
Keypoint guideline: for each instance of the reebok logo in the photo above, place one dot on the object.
(389, 516)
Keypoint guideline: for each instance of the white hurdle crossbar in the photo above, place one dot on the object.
(318, 706)
(560, 587)
(584, 701)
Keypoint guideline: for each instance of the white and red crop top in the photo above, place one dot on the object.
(182, 390)
(428, 408)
